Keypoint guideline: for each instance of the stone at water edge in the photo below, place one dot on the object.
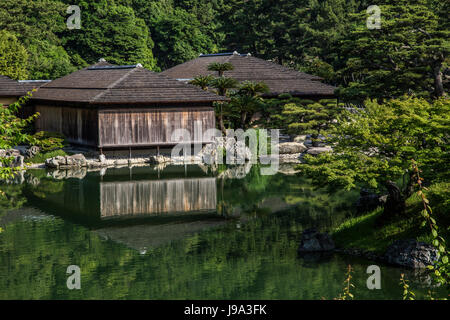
(76, 160)
(318, 150)
(32, 151)
(291, 147)
(313, 241)
(411, 253)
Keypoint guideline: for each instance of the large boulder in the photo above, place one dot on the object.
(291, 147)
(411, 254)
(76, 160)
(313, 241)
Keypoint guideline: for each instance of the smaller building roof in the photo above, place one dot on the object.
(13, 88)
(279, 79)
(105, 83)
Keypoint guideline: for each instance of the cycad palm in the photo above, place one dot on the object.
(253, 89)
(223, 85)
(202, 82)
(220, 67)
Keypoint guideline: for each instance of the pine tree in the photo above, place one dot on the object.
(13, 57)
(406, 55)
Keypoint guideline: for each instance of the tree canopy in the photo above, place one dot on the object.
(13, 57)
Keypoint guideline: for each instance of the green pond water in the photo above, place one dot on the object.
(179, 232)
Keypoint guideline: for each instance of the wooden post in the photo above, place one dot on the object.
(129, 149)
(157, 149)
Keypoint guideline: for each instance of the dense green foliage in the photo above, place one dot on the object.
(299, 116)
(329, 38)
(406, 54)
(376, 144)
(13, 57)
(12, 128)
(37, 25)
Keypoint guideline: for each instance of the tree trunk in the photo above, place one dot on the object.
(438, 85)
(222, 126)
(243, 119)
(395, 204)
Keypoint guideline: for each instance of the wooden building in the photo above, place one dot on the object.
(11, 90)
(111, 107)
(278, 78)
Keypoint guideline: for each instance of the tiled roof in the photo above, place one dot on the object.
(104, 83)
(280, 79)
(13, 88)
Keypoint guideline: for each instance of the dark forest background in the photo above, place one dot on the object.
(329, 38)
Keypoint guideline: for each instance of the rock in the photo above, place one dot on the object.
(76, 160)
(368, 201)
(102, 158)
(313, 241)
(52, 163)
(121, 162)
(9, 153)
(18, 162)
(235, 151)
(411, 253)
(318, 150)
(32, 151)
(17, 158)
(300, 138)
(291, 147)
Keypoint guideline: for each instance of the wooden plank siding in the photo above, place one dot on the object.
(150, 127)
(78, 125)
(157, 197)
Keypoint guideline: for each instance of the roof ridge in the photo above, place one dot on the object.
(275, 65)
(112, 85)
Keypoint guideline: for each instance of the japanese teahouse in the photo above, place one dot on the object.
(106, 106)
(278, 78)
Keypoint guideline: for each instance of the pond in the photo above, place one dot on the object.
(176, 232)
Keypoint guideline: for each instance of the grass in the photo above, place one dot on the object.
(363, 233)
(41, 157)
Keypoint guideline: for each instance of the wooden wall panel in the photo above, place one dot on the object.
(140, 127)
(78, 125)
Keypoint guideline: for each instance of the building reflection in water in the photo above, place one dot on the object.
(99, 197)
